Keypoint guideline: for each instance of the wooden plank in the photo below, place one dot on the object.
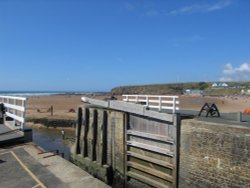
(99, 142)
(11, 97)
(20, 119)
(151, 136)
(150, 148)
(146, 180)
(163, 96)
(85, 132)
(176, 160)
(94, 136)
(151, 171)
(90, 134)
(129, 107)
(78, 130)
(14, 107)
(126, 126)
(104, 140)
(95, 102)
(151, 160)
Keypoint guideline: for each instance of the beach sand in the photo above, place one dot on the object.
(38, 106)
(63, 105)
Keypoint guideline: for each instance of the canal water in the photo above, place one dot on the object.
(51, 140)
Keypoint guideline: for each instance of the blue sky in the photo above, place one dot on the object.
(99, 44)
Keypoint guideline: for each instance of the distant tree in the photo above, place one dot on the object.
(203, 85)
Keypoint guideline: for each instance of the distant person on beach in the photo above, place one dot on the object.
(63, 134)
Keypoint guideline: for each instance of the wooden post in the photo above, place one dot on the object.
(23, 125)
(92, 136)
(85, 132)
(174, 105)
(78, 130)
(160, 104)
(15, 111)
(104, 140)
(52, 109)
(126, 127)
(176, 136)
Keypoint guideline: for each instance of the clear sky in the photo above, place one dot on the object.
(96, 45)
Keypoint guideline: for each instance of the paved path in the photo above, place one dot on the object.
(7, 135)
(25, 166)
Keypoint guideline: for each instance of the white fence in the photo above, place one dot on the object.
(15, 108)
(160, 102)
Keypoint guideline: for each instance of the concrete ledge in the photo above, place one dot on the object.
(102, 172)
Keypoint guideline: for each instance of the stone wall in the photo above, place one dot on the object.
(214, 155)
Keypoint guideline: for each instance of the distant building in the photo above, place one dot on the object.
(239, 86)
(220, 85)
(214, 85)
(245, 91)
(194, 92)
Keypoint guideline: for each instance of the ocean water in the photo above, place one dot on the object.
(40, 93)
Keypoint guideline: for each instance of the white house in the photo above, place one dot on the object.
(214, 85)
(219, 85)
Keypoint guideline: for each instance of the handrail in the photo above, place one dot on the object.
(15, 108)
(159, 102)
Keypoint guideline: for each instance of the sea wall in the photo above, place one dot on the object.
(214, 155)
(53, 122)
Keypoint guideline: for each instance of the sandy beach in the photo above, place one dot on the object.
(65, 105)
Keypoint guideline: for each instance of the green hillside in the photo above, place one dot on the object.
(179, 88)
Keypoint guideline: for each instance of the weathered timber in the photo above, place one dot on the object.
(101, 144)
(138, 145)
(150, 171)
(146, 180)
(151, 136)
(78, 130)
(85, 132)
(103, 149)
(151, 160)
(129, 107)
(93, 135)
(150, 148)
(176, 150)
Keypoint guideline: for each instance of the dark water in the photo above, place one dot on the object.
(51, 140)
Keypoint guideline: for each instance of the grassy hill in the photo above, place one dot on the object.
(179, 88)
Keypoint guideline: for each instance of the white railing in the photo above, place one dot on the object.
(160, 102)
(15, 108)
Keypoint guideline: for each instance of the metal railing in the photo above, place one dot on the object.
(160, 102)
(16, 109)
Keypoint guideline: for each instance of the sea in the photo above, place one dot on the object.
(45, 93)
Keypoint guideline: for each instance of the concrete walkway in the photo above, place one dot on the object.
(8, 135)
(26, 166)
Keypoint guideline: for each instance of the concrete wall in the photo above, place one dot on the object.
(214, 155)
